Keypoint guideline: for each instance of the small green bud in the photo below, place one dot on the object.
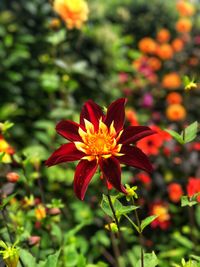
(112, 227)
(131, 192)
(10, 255)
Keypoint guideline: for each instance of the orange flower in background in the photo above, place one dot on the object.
(184, 25)
(12, 177)
(131, 117)
(175, 192)
(171, 81)
(147, 45)
(163, 220)
(174, 98)
(40, 212)
(185, 8)
(165, 52)
(177, 44)
(7, 149)
(154, 63)
(163, 36)
(175, 112)
(74, 13)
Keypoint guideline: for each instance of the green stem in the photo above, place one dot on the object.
(113, 211)
(117, 251)
(140, 235)
(9, 233)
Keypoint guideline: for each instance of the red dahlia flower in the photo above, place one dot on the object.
(100, 140)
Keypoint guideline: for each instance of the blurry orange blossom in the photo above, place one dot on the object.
(175, 192)
(165, 51)
(171, 81)
(177, 45)
(12, 177)
(175, 112)
(154, 63)
(163, 220)
(184, 25)
(174, 98)
(163, 36)
(147, 45)
(74, 13)
(40, 212)
(131, 117)
(185, 8)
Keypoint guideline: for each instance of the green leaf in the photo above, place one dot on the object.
(27, 258)
(6, 200)
(150, 260)
(185, 201)
(190, 132)
(5, 126)
(147, 221)
(176, 136)
(117, 205)
(52, 260)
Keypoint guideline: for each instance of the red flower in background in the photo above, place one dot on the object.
(163, 220)
(151, 144)
(193, 187)
(144, 177)
(100, 140)
(175, 192)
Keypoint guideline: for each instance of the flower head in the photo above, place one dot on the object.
(176, 112)
(184, 25)
(163, 36)
(193, 186)
(100, 141)
(161, 210)
(175, 192)
(147, 45)
(6, 149)
(74, 13)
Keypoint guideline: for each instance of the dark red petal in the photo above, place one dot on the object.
(134, 133)
(91, 112)
(116, 113)
(112, 172)
(135, 158)
(67, 152)
(69, 130)
(84, 173)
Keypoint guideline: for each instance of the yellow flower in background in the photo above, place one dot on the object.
(74, 13)
(6, 149)
(40, 212)
(10, 254)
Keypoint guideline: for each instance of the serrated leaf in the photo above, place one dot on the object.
(150, 260)
(176, 136)
(190, 132)
(147, 221)
(185, 201)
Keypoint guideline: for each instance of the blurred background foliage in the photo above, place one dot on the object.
(47, 73)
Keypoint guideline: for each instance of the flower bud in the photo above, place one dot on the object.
(34, 240)
(112, 227)
(12, 177)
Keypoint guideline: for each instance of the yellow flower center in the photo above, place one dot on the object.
(99, 143)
